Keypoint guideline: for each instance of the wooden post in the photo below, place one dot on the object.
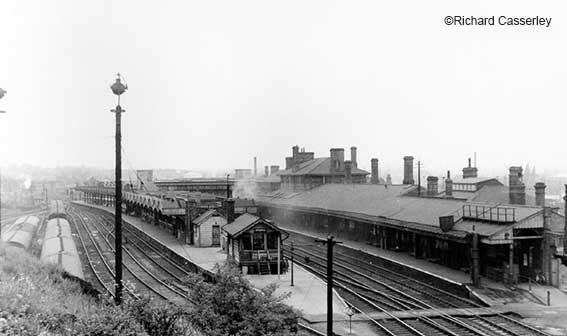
(279, 251)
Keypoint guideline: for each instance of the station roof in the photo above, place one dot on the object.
(319, 166)
(245, 222)
(378, 203)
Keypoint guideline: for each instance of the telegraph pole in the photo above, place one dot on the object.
(118, 88)
(330, 242)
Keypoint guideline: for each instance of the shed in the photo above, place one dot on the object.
(207, 228)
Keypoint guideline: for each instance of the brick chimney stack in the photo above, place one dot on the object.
(374, 177)
(337, 160)
(432, 185)
(448, 185)
(353, 157)
(540, 194)
(470, 172)
(408, 170)
(229, 210)
(517, 189)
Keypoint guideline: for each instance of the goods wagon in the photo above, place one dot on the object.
(20, 234)
(59, 247)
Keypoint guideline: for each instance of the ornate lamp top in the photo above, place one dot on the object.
(118, 88)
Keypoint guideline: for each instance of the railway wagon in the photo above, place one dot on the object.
(20, 234)
(59, 247)
(57, 210)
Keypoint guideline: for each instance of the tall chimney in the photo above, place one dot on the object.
(408, 170)
(348, 171)
(374, 178)
(337, 159)
(517, 189)
(229, 210)
(470, 172)
(288, 162)
(255, 167)
(540, 194)
(353, 157)
(448, 185)
(274, 169)
(432, 185)
(266, 170)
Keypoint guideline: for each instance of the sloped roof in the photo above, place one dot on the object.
(375, 202)
(320, 166)
(246, 221)
(474, 180)
(497, 194)
(204, 216)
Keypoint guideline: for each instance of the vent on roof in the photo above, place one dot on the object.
(446, 223)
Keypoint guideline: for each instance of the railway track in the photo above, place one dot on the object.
(137, 265)
(369, 288)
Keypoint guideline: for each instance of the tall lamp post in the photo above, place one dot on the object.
(118, 89)
(2, 93)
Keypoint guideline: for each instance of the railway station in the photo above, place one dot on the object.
(473, 224)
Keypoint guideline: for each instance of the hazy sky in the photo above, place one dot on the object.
(215, 83)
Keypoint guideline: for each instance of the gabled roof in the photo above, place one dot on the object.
(319, 166)
(204, 216)
(245, 222)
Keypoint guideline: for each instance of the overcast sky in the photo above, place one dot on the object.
(215, 83)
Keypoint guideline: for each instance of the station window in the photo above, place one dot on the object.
(246, 241)
(258, 242)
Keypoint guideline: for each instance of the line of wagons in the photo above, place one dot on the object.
(58, 246)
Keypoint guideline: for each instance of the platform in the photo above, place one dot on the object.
(492, 293)
(308, 294)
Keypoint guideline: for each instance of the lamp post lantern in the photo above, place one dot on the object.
(118, 89)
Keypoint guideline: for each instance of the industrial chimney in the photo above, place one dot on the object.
(540, 194)
(408, 170)
(229, 210)
(353, 157)
(374, 178)
(448, 185)
(470, 172)
(348, 171)
(255, 167)
(517, 189)
(432, 185)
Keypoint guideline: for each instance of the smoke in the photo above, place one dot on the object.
(27, 182)
(244, 189)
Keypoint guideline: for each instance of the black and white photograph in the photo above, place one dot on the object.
(279, 168)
